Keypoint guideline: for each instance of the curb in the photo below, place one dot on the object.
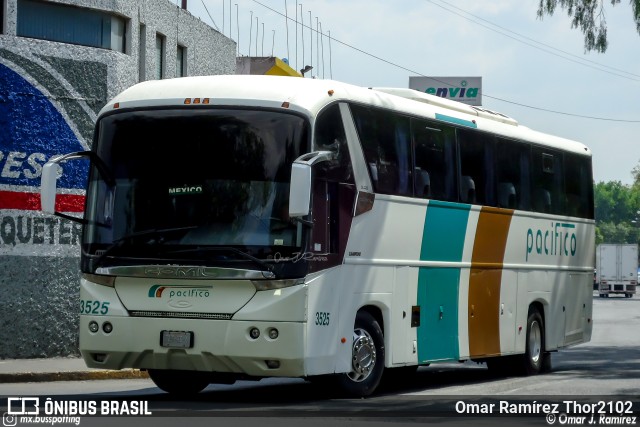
(39, 377)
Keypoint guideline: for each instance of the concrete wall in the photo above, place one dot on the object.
(50, 94)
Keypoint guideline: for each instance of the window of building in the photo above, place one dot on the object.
(160, 63)
(142, 50)
(68, 24)
(181, 61)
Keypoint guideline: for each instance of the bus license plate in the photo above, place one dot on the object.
(176, 339)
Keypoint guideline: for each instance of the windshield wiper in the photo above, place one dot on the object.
(118, 243)
(245, 255)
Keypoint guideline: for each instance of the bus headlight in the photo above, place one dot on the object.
(267, 285)
(93, 326)
(100, 279)
(273, 333)
(254, 333)
(107, 327)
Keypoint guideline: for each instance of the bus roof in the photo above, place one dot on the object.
(309, 96)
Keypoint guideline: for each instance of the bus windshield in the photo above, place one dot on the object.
(184, 184)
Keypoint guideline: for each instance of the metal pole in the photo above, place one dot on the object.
(250, 31)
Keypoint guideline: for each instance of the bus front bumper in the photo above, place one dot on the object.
(223, 346)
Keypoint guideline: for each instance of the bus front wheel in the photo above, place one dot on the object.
(179, 382)
(367, 357)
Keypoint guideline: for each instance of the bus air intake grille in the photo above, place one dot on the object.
(181, 315)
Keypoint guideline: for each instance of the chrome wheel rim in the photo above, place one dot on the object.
(535, 342)
(363, 356)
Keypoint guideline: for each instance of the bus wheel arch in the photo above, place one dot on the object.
(179, 383)
(536, 358)
(367, 354)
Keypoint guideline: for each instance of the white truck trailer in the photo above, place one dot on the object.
(617, 269)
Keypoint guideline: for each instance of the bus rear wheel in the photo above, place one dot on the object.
(534, 360)
(179, 382)
(367, 358)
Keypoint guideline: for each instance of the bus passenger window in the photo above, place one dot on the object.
(477, 168)
(513, 177)
(542, 200)
(467, 189)
(423, 183)
(330, 136)
(506, 195)
(435, 166)
(386, 143)
(578, 186)
(548, 181)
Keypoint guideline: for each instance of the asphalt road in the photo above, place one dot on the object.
(606, 369)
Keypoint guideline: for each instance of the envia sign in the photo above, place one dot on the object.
(467, 90)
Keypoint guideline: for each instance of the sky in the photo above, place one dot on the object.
(524, 62)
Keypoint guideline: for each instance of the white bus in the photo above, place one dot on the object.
(258, 226)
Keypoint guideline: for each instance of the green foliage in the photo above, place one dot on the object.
(617, 209)
(610, 232)
(589, 16)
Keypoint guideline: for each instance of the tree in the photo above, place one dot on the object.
(589, 16)
(615, 202)
(617, 207)
(635, 172)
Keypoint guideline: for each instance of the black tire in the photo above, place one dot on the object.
(532, 360)
(399, 377)
(367, 358)
(546, 363)
(182, 383)
(502, 366)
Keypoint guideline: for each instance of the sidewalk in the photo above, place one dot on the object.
(58, 369)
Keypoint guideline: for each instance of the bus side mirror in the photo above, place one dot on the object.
(49, 180)
(300, 188)
(48, 186)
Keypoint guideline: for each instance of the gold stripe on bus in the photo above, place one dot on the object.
(485, 279)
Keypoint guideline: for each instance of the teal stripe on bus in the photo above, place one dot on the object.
(456, 121)
(445, 227)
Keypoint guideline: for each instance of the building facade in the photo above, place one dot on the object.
(60, 62)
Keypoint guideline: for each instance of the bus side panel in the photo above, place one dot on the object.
(403, 337)
(554, 260)
(485, 304)
(323, 320)
(438, 301)
(579, 295)
(383, 243)
(508, 311)
(335, 296)
(443, 240)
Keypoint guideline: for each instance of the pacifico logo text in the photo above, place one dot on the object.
(558, 240)
(158, 291)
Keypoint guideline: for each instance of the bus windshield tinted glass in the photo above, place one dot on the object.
(209, 177)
